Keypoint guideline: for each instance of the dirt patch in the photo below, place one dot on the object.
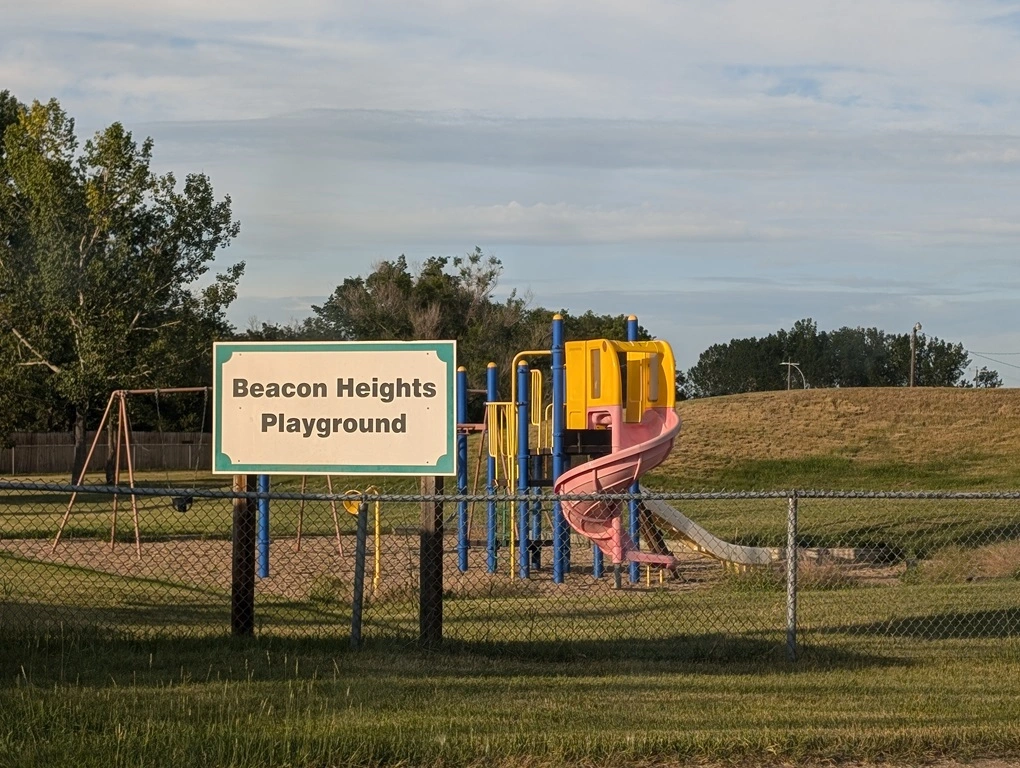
(315, 569)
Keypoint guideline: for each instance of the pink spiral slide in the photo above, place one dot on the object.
(638, 448)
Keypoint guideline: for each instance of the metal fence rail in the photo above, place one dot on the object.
(410, 563)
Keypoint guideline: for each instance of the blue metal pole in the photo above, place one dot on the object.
(559, 411)
(598, 567)
(491, 395)
(632, 505)
(523, 485)
(462, 471)
(262, 535)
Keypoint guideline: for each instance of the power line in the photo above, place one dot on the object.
(992, 359)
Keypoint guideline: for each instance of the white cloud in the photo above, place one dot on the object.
(833, 151)
(874, 62)
(555, 223)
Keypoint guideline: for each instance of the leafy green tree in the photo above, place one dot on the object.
(940, 363)
(450, 298)
(987, 379)
(257, 331)
(742, 365)
(592, 326)
(682, 386)
(99, 257)
(445, 298)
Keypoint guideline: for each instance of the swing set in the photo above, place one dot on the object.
(117, 410)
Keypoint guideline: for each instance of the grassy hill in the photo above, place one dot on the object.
(878, 438)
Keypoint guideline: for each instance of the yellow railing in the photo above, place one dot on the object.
(351, 505)
(535, 401)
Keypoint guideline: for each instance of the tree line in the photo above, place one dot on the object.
(847, 357)
(104, 285)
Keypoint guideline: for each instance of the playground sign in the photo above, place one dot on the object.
(318, 408)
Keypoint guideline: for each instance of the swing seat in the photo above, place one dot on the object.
(182, 503)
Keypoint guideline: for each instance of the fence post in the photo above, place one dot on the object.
(360, 545)
(791, 577)
(430, 565)
(242, 574)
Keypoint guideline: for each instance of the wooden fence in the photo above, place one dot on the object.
(45, 453)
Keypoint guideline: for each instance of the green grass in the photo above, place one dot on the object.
(835, 471)
(919, 665)
(912, 672)
(73, 699)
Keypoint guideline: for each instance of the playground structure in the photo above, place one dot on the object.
(611, 418)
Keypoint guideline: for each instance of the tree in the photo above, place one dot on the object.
(99, 258)
(256, 331)
(445, 298)
(939, 363)
(987, 379)
(681, 385)
(593, 326)
(742, 365)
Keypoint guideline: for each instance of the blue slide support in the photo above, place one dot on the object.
(492, 396)
(262, 525)
(523, 485)
(635, 572)
(561, 538)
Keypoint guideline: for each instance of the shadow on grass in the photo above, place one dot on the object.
(92, 657)
(704, 653)
(956, 625)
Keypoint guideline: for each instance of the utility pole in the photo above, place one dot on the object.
(789, 371)
(913, 351)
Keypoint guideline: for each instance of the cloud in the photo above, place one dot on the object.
(539, 223)
(927, 64)
(752, 162)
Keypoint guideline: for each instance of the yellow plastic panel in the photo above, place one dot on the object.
(594, 378)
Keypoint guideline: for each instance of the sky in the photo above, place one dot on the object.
(720, 168)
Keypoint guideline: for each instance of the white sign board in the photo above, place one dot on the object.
(352, 408)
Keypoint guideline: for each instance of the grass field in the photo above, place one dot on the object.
(73, 700)
(907, 661)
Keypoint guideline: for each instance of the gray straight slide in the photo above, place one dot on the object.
(701, 540)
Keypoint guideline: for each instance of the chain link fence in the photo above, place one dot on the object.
(425, 565)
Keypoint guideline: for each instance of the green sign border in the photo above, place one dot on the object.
(446, 351)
